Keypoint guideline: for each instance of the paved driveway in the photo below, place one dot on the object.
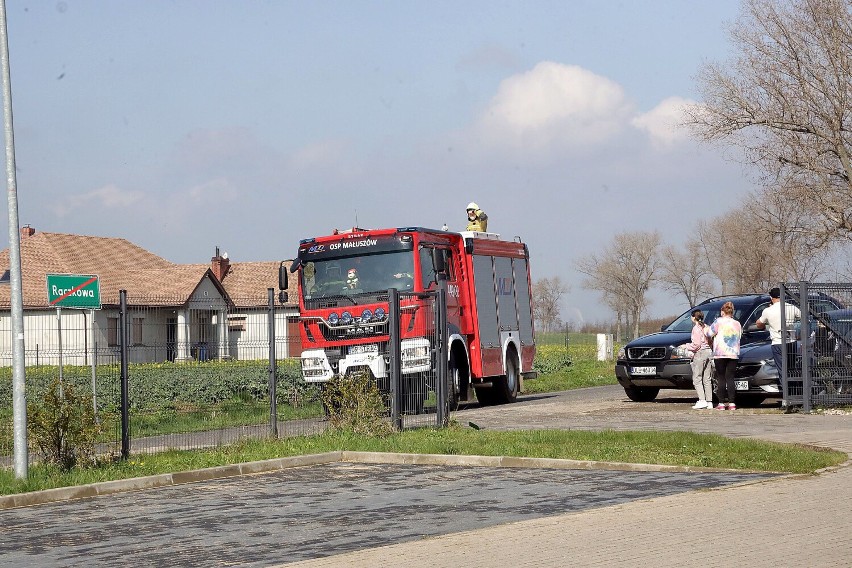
(602, 408)
(312, 512)
(488, 517)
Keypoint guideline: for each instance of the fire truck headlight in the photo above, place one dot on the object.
(333, 318)
(380, 314)
(312, 363)
(346, 318)
(415, 355)
(366, 315)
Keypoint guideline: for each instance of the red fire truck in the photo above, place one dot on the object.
(344, 280)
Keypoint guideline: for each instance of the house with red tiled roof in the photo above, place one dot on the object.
(176, 312)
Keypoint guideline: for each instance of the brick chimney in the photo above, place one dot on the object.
(27, 231)
(220, 264)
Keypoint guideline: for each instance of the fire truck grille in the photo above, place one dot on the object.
(647, 353)
(358, 331)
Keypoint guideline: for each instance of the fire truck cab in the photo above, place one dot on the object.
(343, 283)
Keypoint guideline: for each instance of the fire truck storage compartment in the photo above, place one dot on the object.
(486, 301)
(502, 292)
(522, 295)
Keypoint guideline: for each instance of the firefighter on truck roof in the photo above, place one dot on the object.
(477, 220)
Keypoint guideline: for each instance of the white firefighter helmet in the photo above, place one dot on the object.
(473, 206)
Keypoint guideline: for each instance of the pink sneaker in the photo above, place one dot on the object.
(720, 406)
(732, 406)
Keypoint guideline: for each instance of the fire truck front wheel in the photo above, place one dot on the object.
(453, 382)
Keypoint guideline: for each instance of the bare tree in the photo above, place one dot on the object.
(786, 98)
(756, 246)
(547, 293)
(739, 255)
(796, 255)
(686, 271)
(623, 273)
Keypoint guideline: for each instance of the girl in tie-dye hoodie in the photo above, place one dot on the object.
(726, 333)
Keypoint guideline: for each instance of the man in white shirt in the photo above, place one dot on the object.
(771, 319)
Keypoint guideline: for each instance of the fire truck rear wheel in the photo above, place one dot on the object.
(507, 386)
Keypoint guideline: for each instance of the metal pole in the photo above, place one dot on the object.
(273, 367)
(804, 339)
(125, 382)
(59, 337)
(395, 353)
(94, 366)
(443, 384)
(19, 399)
(784, 371)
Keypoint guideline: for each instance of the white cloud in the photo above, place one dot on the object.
(551, 107)
(106, 197)
(213, 191)
(664, 123)
(317, 155)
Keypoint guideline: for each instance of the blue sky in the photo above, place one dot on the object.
(186, 125)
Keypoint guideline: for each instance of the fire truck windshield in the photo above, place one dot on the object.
(352, 275)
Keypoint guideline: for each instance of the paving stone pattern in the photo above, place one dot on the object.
(313, 512)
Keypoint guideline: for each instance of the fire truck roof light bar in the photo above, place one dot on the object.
(306, 241)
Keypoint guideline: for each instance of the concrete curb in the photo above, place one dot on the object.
(265, 466)
(532, 463)
(162, 480)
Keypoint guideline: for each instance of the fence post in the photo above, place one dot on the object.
(442, 386)
(273, 367)
(604, 346)
(94, 367)
(395, 354)
(783, 376)
(59, 339)
(804, 339)
(125, 384)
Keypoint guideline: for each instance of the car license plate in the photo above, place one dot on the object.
(741, 385)
(643, 370)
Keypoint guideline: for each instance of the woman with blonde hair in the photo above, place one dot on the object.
(726, 333)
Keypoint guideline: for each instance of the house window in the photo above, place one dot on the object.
(204, 326)
(137, 331)
(236, 323)
(112, 332)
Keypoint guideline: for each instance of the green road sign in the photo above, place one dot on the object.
(73, 291)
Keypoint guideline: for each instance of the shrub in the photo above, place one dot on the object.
(551, 359)
(63, 428)
(355, 404)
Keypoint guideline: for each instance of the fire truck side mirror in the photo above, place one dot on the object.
(438, 261)
(283, 278)
(283, 297)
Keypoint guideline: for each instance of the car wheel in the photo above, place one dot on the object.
(750, 399)
(641, 394)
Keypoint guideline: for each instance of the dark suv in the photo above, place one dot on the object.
(661, 361)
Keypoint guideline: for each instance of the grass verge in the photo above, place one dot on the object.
(584, 371)
(669, 448)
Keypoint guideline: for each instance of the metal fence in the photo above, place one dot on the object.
(419, 389)
(817, 356)
(164, 377)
